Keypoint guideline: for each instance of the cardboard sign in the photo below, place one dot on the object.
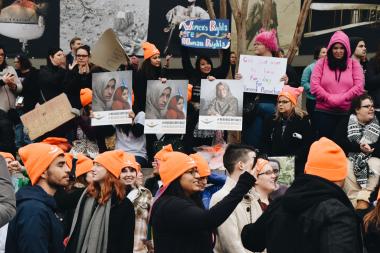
(166, 107)
(108, 52)
(205, 33)
(221, 105)
(262, 74)
(47, 116)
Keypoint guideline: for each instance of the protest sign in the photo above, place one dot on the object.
(47, 116)
(286, 167)
(205, 33)
(221, 105)
(112, 98)
(166, 106)
(262, 74)
(108, 52)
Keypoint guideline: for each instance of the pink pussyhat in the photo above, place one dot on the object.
(268, 39)
(291, 93)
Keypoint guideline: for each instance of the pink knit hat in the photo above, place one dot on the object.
(268, 39)
(291, 93)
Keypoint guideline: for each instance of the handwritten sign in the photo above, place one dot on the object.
(205, 33)
(262, 74)
(47, 116)
(108, 52)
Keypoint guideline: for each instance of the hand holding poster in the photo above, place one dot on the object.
(221, 106)
(166, 106)
(211, 34)
(112, 98)
(262, 74)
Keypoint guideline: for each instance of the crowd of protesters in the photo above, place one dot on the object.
(77, 193)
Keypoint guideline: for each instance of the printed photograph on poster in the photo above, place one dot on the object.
(285, 10)
(221, 105)
(165, 18)
(166, 106)
(128, 18)
(262, 74)
(285, 165)
(28, 26)
(112, 98)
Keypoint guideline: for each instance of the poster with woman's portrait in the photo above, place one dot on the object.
(111, 98)
(166, 106)
(221, 106)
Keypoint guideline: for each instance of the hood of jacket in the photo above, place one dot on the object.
(35, 193)
(341, 37)
(308, 191)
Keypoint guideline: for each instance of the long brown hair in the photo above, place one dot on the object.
(372, 218)
(103, 193)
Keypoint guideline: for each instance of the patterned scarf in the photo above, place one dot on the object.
(362, 134)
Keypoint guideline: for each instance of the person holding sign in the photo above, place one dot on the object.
(204, 69)
(288, 133)
(335, 81)
(261, 106)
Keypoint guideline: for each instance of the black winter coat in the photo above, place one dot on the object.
(7, 134)
(314, 215)
(51, 80)
(120, 230)
(372, 239)
(73, 83)
(180, 226)
(372, 80)
(294, 140)
(36, 228)
(341, 139)
(30, 89)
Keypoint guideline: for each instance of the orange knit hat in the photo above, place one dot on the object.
(326, 159)
(149, 50)
(37, 157)
(131, 161)
(85, 96)
(113, 161)
(7, 155)
(165, 149)
(260, 165)
(202, 165)
(291, 93)
(173, 165)
(62, 143)
(83, 165)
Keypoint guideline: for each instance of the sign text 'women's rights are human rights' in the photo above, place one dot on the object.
(206, 33)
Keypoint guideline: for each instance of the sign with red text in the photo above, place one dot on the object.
(261, 74)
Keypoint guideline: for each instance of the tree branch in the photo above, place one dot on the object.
(210, 9)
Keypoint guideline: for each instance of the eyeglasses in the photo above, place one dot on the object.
(367, 106)
(283, 102)
(82, 55)
(193, 172)
(269, 172)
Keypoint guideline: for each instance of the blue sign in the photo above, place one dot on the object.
(206, 33)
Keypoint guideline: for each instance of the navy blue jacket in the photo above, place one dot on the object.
(36, 228)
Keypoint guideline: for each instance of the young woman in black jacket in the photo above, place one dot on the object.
(204, 69)
(289, 132)
(104, 219)
(180, 222)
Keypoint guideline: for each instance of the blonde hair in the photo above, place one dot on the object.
(296, 110)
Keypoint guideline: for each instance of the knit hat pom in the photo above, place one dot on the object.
(268, 39)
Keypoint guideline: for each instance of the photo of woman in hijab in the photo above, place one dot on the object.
(121, 99)
(175, 108)
(102, 95)
(224, 104)
(157, 99)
